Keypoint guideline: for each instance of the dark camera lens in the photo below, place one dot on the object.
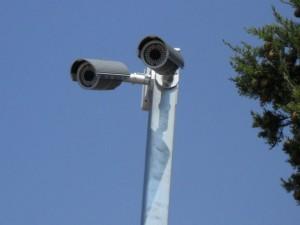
(86, 75)
(155, 54)
(89, 75)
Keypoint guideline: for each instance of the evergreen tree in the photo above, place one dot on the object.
(270, 73)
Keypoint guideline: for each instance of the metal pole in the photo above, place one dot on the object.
(159, 154)
(159, 97)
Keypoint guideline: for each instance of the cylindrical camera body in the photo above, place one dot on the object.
(96, 74)
(159, 56)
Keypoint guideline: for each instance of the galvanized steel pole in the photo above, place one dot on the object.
(160, 90)
(159, 152)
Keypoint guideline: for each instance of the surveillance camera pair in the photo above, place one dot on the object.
(156, 54)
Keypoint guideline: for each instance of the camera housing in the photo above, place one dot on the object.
(96, 74)
(160, 56)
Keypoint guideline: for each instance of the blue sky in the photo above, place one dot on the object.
(75, 157)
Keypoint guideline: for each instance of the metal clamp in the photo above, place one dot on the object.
(167, 81)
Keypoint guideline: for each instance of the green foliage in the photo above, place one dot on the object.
(271, 124)
(270, 74)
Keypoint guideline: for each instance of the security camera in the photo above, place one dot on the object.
(95, 74)
(159, 56)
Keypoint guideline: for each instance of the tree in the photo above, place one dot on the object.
(270, 74)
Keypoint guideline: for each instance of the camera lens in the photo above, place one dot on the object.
(86, 75)
(155, 54)
(89, 76)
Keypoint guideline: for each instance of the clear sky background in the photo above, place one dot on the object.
(74, 157)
